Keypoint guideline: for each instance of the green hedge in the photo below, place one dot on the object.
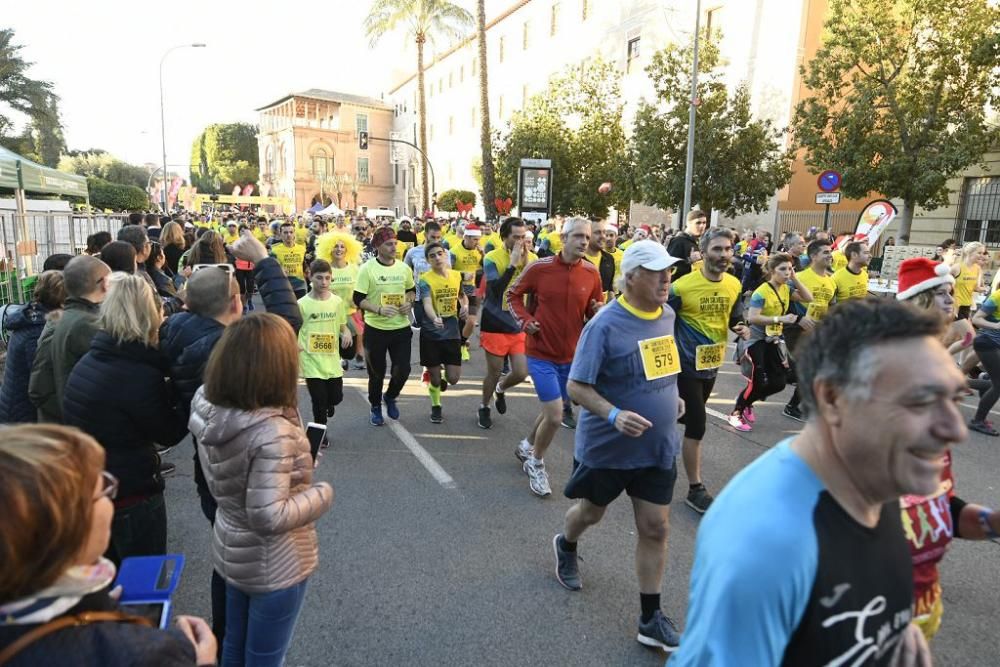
(115, 196)
(446, 200)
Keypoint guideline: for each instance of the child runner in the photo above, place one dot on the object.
(324, 331)
(440, 338)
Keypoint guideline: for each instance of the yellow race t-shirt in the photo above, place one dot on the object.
(291, 259)
(773, 302)
(342, 284)
(385, 286)
(839, 261)
(965, 285)
(850, 285)
(467, 262)
(823, 289)
(703, 310)
(319, 337)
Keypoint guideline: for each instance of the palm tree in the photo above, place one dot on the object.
(489, 182)
(421, 20)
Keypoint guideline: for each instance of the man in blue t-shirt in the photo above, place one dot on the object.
(624, 374)
(802, 559)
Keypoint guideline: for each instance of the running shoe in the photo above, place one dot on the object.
(737, 422)
(748, 416)
(659, 632)
(984, 427)
(376, 418)
(567, 571)
(538, 479)
(167, 468)
(699, 499)
(359, 365)
(391, 408)
(793, 412)
(568, 420)
(436, 417)
(506, 366)
(484, 418)
(524, 450)
(501, 400)
(465, 353)
(343, 364)
(426, 377)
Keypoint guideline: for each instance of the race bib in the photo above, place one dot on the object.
(709, 357)
(322, 343)
(659, 357)
(774, 329)
(816, 311)
(393, 300)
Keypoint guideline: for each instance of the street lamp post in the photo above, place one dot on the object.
(163, 124)
(692, 104)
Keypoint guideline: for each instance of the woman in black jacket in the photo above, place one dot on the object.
(117, 393)
(25, 325)
(55, 606)
(157, 270)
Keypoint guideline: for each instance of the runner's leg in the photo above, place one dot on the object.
(376, 347)
(319, 398)
(399, 354)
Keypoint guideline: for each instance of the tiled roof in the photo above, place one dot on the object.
(331, 96)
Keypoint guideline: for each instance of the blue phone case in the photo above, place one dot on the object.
(150, 580)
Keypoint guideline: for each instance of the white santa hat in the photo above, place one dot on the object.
(920, 274)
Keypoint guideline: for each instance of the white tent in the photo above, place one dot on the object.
(330, 210)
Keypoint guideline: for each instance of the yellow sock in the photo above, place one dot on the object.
(435, 393)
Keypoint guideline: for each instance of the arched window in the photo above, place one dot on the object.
(269, 165)
(320, 164)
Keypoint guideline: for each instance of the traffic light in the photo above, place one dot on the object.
(363, 140)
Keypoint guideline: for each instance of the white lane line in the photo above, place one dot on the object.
(421, 454)
(716, 413)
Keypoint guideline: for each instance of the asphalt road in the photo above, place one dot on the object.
(457, 568)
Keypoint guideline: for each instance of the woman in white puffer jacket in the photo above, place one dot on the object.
(259, 468)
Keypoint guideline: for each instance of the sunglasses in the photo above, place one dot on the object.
(109, 487)
(228, 268)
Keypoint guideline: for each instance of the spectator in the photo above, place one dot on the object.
(66, 339)
(56, 262)
(173, 242)
(117, 393)
(119, 256)
(25, 326)
(136, 235)
(135, 218)
(155, 264)
(258, 466)
(50, 578)
(208, 249)
(152, 222)
(97, 241)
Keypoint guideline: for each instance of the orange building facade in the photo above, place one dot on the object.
(308, 144)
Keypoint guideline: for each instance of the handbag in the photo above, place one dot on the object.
(83, 618)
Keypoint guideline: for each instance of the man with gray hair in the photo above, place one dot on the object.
(136, 236)
(802, 558)
(66, 339)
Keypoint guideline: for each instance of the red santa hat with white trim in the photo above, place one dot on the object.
(920, 274)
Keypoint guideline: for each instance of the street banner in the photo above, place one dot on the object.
(872, 221)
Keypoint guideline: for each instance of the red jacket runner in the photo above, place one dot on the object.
(559, 299)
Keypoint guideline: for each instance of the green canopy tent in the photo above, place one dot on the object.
(22, 175)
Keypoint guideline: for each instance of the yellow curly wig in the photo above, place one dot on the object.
(325, 243)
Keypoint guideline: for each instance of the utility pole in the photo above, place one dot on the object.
(692, 105)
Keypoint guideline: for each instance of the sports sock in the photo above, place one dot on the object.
(435, 393)
(498, 390)
(566, 545)
(650, 603)
(699, 485)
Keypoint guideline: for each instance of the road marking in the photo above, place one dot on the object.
(716, 413)
(421, 454)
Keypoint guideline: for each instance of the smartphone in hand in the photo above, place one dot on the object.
(316, 433)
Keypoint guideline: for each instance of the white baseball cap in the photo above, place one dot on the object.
(647, 254)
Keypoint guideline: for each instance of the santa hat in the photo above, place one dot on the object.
(472, 230)
(920, 274)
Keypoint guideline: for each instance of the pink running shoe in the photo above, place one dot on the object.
(748, 416)
(738, 423)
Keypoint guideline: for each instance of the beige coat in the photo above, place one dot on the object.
(259, 470)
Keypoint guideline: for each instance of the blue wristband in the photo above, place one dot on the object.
(611, 415)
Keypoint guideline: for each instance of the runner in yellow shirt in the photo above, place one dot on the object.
(467, 259)
(324, 332)
(611, 245)
(343, 252)
(291, 255)
(969, 280)
(444, 303)
(852, 280)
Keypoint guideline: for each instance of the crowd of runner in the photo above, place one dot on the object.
(149, 337)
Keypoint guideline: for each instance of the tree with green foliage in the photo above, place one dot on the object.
(116, 197)
(448, 200)
(227, 154)
(421, 21)
(900, 90)
(739, 161)
(577, 124)
(105, 166)
(42, 139)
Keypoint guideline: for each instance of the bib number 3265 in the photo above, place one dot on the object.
(659, 357)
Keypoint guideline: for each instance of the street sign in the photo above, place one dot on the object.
(829, 181)
(534, 186)
(827, 198)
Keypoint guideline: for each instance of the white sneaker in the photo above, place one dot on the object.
(538, 479)
(738, 423)
(524, 450)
